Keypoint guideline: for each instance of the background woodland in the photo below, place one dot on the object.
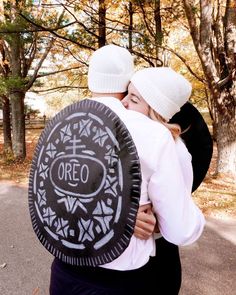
(45, 48)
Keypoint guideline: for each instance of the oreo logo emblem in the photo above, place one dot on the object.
(77, 173)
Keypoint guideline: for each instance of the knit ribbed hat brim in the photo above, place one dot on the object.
(163, 89)
(110, 70)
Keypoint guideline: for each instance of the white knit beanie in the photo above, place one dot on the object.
(163, 89)
(110, 70)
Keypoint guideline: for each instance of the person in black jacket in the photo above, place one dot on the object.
(199, 143)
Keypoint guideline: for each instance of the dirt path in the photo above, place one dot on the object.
(209, 266)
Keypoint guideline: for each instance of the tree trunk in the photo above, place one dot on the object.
(131, 12)
(226, 135)
(18, 125)
(158, 28)
(214, 40)
(102, 23)
(6, 125)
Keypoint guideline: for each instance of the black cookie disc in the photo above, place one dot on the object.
(84, 185)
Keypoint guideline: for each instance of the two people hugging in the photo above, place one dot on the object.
(145, 101)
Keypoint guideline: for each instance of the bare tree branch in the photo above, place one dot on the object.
(52, 31)
(202, 40)
(57, 72)
(34, 76)
(192, 23)
(32, 52)
(145, 19)
(224, 81)
(41, 28)
(51, 90)
(73, 55)
(230, 32)
(79, 22)
(201, 79)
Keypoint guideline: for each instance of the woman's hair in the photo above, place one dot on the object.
(174, 128)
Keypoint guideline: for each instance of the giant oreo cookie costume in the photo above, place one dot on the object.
(84, 185)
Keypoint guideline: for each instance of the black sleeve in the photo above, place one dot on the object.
(197, 138)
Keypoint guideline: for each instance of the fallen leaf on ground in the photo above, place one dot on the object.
(3, 265)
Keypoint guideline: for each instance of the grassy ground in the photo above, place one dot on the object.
(18, 172)
(216, 196)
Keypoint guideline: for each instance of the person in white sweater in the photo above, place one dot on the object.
(180, 221)
(163, 182)
(134, 101)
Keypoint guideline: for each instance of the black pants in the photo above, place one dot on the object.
(72, 280)
(160, 276)
(168, 266)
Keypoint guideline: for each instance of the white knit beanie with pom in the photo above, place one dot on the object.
(163, 89)
(110, 69)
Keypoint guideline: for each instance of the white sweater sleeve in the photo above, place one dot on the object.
(180, 221)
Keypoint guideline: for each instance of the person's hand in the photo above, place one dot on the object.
(145, 222)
